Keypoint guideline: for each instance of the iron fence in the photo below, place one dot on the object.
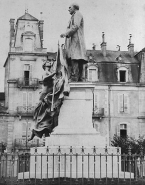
(72, 166)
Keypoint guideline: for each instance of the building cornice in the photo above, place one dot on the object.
(27, 54)
(141, 117)
(23, 54)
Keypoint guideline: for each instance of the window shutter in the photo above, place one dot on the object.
(118, 130)
(126, 103)
(30, 100)
(142, 102)
(94, 75)
(125, 77)
(96, 102)
(24, 67)
(31, 71)
(128, 129)
(24, 130)
(29, 129)
(90, 75)
(26, 127)
(24, 99)
(120, 103)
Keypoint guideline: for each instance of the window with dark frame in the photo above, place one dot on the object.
(26, 74)
(123, 130)
(122, 74)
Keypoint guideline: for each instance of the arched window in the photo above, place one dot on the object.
(92, 73)
(123, 74)
(28, 26)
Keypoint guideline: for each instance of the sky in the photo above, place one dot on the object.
(117, 18)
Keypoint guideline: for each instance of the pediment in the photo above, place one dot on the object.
(27, 16)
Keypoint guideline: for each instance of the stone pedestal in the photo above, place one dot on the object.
(75, 127)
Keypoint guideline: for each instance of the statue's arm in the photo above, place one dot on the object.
(76, 24)
(47, 77)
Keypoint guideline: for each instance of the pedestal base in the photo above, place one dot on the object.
(75, 163)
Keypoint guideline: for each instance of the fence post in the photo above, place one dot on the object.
(106, 153)
(135, 167)
(47, 152)
(141, 162)
(129, 153)
(35, 154)
(118, 162)
(0, 165)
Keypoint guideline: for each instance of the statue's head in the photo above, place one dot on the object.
(49, 62)
(51, 59)
(73, 7)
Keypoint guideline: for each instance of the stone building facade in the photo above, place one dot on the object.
(119, 95)
(118, 78)
(23, 80)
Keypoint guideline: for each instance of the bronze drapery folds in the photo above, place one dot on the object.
(55, 87)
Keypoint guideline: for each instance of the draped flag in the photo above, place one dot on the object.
(51, 99)
(58, 62)
(61, 66)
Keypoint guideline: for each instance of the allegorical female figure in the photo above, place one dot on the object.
(51, 98)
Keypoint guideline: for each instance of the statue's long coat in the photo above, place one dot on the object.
(75, 43)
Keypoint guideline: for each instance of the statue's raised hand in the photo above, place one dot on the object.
(63, 35)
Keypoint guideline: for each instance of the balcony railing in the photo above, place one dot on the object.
(20, 143)
(25, 110)
(40, 50)
(17, 49)
(28, 82)
(98, 113)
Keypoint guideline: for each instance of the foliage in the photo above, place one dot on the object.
(136, 145)
(2, 146)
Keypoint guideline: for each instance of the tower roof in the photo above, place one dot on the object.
(27, 16)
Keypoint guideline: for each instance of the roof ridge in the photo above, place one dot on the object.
(27, 16)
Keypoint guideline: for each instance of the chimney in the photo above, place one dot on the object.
(103, 45)
(131, 47)
(118, 47)
(12, 32)
(41, 22)
(94, 46)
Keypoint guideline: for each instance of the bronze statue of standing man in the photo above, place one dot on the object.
(75, 44)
